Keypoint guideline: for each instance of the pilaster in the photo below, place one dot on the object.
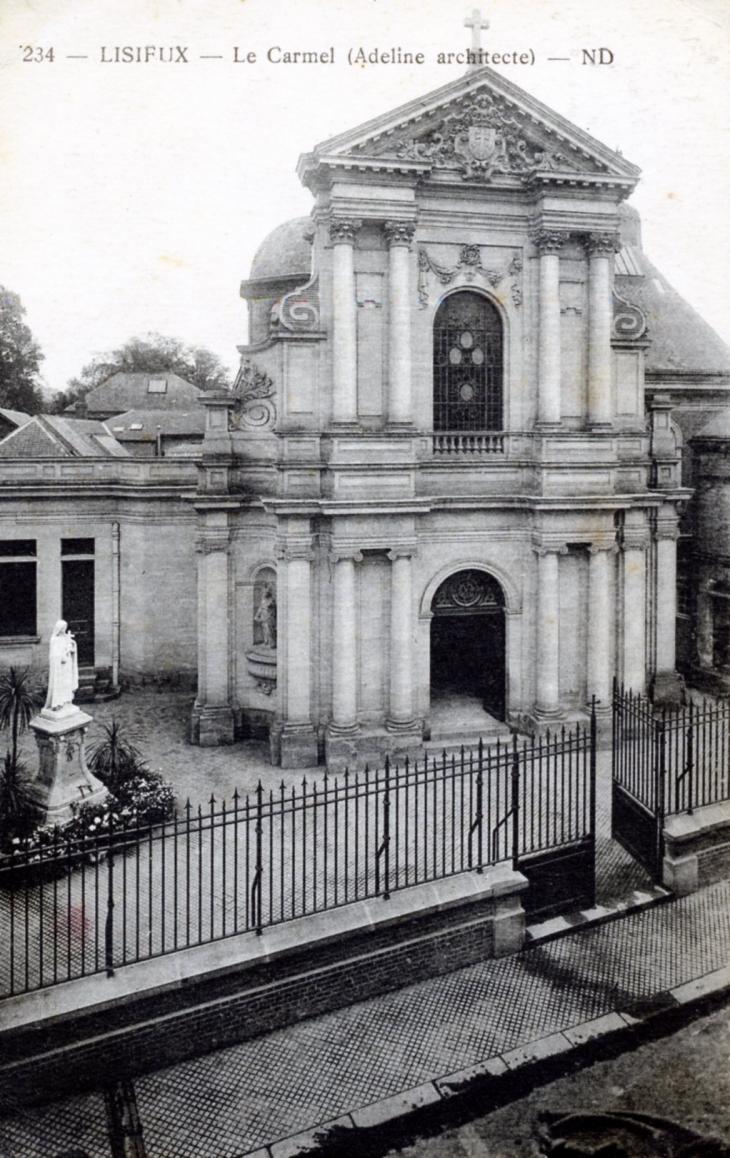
(600, 624)
(297, 738)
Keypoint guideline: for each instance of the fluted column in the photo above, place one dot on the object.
(600, 623)
(399, 235)
(548, 630)
(400, 715)
(635, 543)
(601, 248)
(344, 338)
(344, 643)
(549, 244)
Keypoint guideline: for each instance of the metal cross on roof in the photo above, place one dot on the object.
(475, 22)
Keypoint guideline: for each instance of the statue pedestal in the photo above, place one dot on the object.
(63, 774)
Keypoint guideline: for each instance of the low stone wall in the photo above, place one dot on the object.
(88, 1033)
(696, 848)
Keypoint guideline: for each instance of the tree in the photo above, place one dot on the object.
(20, 358)
(150, 354)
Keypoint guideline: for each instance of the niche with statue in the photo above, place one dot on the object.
(261, 658)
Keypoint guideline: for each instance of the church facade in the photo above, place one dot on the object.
(436, 485)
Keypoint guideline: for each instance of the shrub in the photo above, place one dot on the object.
(114, 758)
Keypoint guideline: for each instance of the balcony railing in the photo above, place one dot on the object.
(460, 443)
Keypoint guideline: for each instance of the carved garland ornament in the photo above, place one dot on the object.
(254, 391)
(470, 265)
(481, 139)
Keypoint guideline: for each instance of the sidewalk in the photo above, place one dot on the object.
(371, 1063)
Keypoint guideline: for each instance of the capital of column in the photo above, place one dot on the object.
(609, 548)
(343, 230)
(403, 552)
(399, 233)
(549, 240)
(634, 539)
(288, 552)
(602, 244)
(667, 531)
(210, 541)
(343, 554)
(543, 549)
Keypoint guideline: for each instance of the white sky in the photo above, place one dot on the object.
(134, 196)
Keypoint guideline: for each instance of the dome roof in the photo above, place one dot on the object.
(285, 253)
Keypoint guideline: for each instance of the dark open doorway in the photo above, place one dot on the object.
(77, 595)
(468, 640)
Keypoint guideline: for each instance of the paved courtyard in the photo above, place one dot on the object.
(194, 884)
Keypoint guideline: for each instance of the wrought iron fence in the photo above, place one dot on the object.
(671, 759)
(73, 907)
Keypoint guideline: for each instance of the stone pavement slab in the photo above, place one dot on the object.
(398, 1051)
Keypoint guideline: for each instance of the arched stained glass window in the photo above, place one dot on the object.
(467, 364)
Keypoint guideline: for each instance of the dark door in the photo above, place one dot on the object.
(467, 655)
(77, 601)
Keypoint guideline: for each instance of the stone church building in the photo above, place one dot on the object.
(438, 456)
(447, 487)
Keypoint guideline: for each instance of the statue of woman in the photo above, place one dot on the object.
(266, 617)
(63, 668)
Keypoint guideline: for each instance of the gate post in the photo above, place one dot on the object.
(515, 804)
(592, 785)
(660, 788)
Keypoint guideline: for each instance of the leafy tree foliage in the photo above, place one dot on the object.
(150, 354)
(20, 358)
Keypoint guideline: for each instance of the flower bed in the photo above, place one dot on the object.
(139, 803)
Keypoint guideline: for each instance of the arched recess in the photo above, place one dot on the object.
(468, 644)
(468, 364)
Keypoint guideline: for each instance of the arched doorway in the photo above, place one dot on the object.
(468, 640)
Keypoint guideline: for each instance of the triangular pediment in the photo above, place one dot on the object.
(481, 128)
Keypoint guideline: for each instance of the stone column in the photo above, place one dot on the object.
(399, 235)
(344, 644)
(344, 338)
(547, 706)
(667, 684)
(401, 715)
(635, 542)
(213, 720)
(549, 243)
(600, 624)
(298, 738)
(601, 248)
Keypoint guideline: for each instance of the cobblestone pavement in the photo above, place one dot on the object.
(235, 1100)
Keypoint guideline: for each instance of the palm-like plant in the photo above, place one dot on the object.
(21, 801)
(20, 699)
(114, 758)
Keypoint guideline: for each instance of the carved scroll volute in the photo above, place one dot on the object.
(254, 391)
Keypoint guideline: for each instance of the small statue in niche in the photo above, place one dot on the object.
(265, 617)
(63, 669)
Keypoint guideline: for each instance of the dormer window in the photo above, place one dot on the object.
(157, 386)
(467, 364)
